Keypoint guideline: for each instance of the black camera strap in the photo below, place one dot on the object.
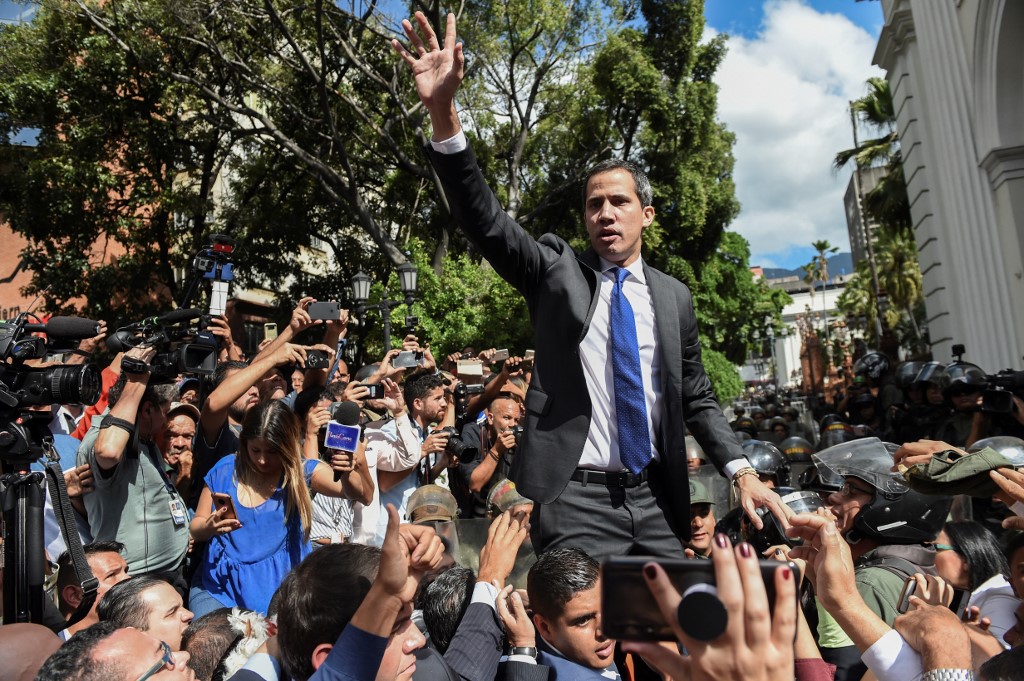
(69, 531)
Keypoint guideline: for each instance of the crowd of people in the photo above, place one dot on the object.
(467, 515)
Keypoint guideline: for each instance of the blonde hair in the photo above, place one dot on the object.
(278, 426)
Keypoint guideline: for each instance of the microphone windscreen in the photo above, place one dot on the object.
(347, 413)
(176, 316)
(72, 327)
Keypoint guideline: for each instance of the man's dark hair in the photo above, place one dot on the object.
(156, 394)
(318, 598)
(66, 570)
(556, 577)
(445, 602)
(1014, 545)
(418, 387)
(979, 549)
(221, 372)
(74, 660)
(208, 640)
(1005, 666)
(640, 179)
(123, 605)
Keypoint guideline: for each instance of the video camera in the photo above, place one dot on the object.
(997, 396)
(23, 386)
(181, 348)
(461, 393)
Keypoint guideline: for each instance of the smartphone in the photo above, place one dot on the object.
(376, 391)
(499, 356)
(630, 613)
(330, 309)
(408, 359)
(528, 358)
(340, 436)
(961, 598)
(269, 331)
(222, 500)
(470, 370)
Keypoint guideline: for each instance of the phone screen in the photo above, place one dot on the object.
(628, 609)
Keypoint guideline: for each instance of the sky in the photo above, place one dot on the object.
(785, 84)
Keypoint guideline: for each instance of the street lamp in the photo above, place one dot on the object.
(361, 283)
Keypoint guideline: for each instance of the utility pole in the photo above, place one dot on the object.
(867, 230)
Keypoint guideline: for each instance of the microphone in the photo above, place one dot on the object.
(347, 415)
(75, 328)
(177, 316)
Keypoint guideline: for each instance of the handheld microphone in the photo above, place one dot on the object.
(343, 431)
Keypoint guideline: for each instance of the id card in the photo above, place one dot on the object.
(178, 512)
(340, 436)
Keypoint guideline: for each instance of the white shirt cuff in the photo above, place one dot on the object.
(264, 665)
(522, 658)
(452, 145)
(735, 466)
(485, 593)
(890, 658)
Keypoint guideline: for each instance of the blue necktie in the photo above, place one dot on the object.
(630, 402)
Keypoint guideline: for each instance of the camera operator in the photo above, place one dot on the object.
(495, 440)
(134, 502)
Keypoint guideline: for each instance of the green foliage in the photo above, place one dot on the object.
(723, 374)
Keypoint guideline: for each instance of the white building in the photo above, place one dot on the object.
(957, 79)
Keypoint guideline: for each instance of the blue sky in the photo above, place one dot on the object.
(784, 88)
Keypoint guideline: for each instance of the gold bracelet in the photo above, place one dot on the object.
(741, 472)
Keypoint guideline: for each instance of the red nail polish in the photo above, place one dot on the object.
(746, 550)
(721, 541)
(787, 573)
(650, 571)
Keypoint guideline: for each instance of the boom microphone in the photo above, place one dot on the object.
(177, 316)
(75, 328)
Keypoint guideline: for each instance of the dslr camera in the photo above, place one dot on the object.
(456, 447)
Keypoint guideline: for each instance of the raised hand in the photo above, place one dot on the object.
(437, 70)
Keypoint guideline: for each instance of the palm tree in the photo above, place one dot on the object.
(817, 269)
(899, 275)
(887, 204)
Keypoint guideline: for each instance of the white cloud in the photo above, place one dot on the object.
(785, 95)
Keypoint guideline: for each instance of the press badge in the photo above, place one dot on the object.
(178, 512)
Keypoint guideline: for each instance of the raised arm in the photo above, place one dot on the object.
(437, 70)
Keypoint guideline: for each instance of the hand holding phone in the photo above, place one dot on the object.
(224, 501)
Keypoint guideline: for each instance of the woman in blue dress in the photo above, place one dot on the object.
(269, 485)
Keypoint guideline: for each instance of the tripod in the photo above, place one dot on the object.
(24, 561)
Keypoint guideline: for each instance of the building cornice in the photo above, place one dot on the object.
(1006, 163)
(897, 32)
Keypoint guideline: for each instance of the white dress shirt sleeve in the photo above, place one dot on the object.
(452, 145)
(890, 658)
(395, 454)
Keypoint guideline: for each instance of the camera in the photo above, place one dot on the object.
(317, 359)
(408, 359)
(456, 447)
(517, 431)
(461, 393)
(180, 347)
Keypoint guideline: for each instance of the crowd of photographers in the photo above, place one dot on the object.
(286, 516)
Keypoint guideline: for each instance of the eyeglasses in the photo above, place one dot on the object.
(165, 662)
(945, 547)
(847, 490)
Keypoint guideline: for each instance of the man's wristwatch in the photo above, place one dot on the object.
(529, 651)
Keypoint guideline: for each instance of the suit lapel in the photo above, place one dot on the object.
(666, 322)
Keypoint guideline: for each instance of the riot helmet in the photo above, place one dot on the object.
(1011, 448)
(766, 459)
(896, 514)
(758, 413)
(874, 365)
(431, 502)
(773, 533)
(961, 377)
(739, 410)
(820, 480)
(694, 450)
(797, 449)
(835, 433)
(930, 372)
(906, 374)
(828, 419)
(746, 425)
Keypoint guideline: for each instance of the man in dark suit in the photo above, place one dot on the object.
(618, 368)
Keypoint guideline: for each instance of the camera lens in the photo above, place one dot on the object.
(74, 384)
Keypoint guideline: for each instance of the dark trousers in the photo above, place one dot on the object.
(609, 521)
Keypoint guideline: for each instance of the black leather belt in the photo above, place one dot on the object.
(608, 478)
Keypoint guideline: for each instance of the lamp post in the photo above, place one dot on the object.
(361, 282)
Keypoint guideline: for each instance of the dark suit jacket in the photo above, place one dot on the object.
(561, 291)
